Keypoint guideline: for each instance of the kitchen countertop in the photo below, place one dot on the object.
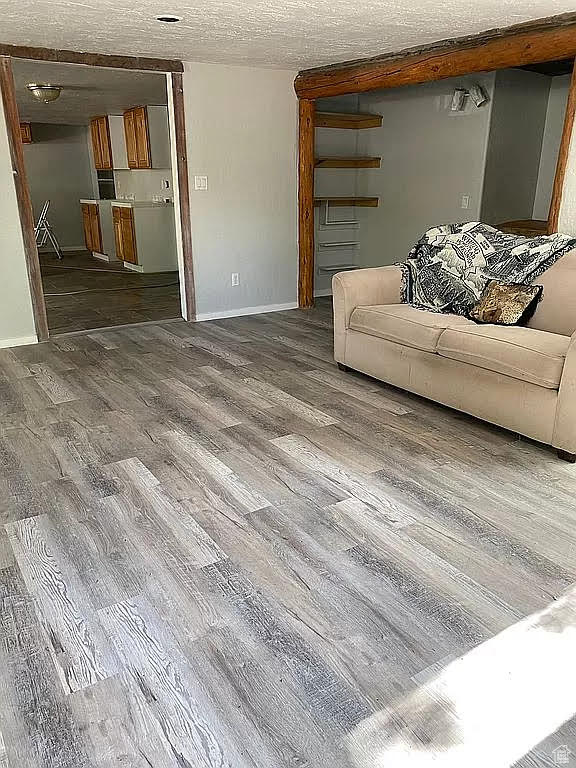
(132, 203)
(140, 204)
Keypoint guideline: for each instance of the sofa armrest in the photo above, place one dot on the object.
(360, 288)
(564, 436)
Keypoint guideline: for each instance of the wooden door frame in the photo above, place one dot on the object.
(166, 66)
(528, 43)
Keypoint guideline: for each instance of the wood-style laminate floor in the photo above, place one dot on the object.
(218, 550)
(82, 293)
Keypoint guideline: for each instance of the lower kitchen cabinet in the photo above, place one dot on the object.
(124, 235)
(91, 225)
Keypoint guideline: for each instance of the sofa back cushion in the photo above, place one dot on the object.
(556, 312)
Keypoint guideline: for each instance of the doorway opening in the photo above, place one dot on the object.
(98, 161)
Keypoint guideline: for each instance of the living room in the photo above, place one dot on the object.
(286, 529)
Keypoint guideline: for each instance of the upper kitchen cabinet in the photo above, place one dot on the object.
(26, 133)
(101, 148)
(108, 147)
(147, 137)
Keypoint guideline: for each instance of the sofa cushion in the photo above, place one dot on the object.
(523, 353)
(404, 324)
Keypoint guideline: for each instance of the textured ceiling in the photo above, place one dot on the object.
(87, 92)
(293, 34)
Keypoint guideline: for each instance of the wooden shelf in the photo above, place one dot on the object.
(347, 162)
(348, 120)
(359, 202)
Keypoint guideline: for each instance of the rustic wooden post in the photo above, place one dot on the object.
(306, 203)
(562, 161)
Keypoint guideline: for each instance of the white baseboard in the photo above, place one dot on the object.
(103, 256)
(246, 311)
(323, 292)
(18, 342)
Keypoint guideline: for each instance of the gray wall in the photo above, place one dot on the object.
(58, 168)
(16, 319)
(430, 158)
(555, 113)
(514, 145)
(241, 130)
(143, 184)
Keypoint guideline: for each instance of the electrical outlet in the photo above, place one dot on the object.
(465, 201)
(235, 278)
(201, 183)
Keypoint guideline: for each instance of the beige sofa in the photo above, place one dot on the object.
(523, 379)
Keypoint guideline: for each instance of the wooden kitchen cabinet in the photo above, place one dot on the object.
(123, 220)
(26, 133)
(147, 137)
(105, 147)
(137, 138)
(91, 225)
(101, 147)
(142, 137)
(130, 134)
(96, 151)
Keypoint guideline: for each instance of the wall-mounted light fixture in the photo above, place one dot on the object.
(478, 95)
(458, 99)
(475, 92)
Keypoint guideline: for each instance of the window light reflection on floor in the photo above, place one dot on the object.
(487, 708)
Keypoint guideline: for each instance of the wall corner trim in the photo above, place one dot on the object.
(262, 309)
(18, 342)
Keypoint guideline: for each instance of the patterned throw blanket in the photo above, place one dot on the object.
(450, 265)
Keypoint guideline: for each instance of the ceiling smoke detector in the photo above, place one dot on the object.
(168, 18)
(44, 91)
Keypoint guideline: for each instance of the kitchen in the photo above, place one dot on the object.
(100, 152)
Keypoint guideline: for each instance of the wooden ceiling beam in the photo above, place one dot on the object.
(528, 43)
(91, 59)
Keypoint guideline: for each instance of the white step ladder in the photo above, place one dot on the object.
(43, 231)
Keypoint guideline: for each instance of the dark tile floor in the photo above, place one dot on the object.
(84, 293)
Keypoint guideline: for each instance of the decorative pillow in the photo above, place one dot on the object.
(506, 303)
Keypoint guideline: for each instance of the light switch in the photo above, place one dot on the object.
(165, 183)
(201, 183)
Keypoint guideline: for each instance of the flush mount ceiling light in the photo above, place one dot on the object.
(44, 91)
(168, 18)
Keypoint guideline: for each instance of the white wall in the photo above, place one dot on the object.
(58, 167)
(16, 319)
(555, 112)
(241, 128)
(430, 158)
(514, 145)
